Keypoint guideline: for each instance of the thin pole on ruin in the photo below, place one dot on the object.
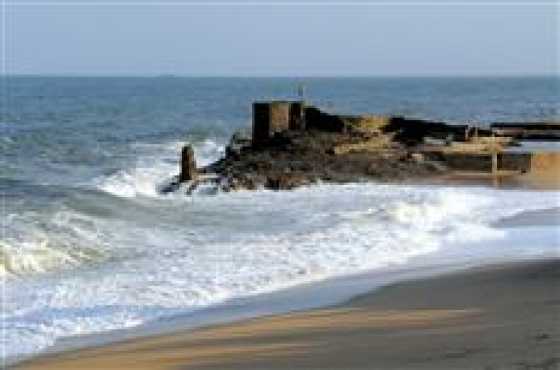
(301, 91)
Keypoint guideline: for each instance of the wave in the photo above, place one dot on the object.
(40, 243)
(157, 164)
(193, 254)
(28, 258)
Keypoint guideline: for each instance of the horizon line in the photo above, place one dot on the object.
(275, 3)
(176, 75)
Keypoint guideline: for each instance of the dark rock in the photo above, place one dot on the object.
(286, 181)
(414, 131)
(319, 120)
(239, 141)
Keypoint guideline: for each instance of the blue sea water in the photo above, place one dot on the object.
(89, 245)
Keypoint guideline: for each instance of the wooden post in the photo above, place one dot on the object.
(494, 149)
(188, 165)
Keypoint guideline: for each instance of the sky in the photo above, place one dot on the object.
(412, 38)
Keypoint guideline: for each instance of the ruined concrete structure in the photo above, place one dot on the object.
(274, 117)
(528, 131)
(293, 144)
(484, 162)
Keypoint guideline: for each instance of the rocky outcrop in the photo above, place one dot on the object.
(293, 159)
(293, 145)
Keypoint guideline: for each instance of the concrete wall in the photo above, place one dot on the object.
(261, 123)
(297, 116)
(546, 162)
(413, 131)
(544, 173)
(316, 119)
(468, 162)
(279, 117)
(273, 117)
(483, 162)
(514, 161)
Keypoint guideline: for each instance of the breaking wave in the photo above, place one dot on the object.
(156, 164)
(34, 243)
(28, 258)
(153, 259)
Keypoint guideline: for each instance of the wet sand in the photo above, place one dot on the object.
(498, 317)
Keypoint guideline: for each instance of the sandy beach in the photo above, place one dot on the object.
(497, 317)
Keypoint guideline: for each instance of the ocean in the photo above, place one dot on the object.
(89, 245)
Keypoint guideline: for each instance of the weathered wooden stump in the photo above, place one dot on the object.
(188, 165)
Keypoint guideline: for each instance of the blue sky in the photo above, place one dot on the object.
(104, 38)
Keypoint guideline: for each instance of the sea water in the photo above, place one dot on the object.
(89, 245)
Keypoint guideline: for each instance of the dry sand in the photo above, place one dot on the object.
(498, 317)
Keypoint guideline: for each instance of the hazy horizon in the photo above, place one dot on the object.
(173, 75)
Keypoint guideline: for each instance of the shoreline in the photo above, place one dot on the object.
(401, 309)
(305, 296)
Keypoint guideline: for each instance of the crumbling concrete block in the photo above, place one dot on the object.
(373, 145)
(545, 162)
(414, 131)
(367, 124)
(297, 116)
(520, 162)
(482, 162)
(270, 118)
(318, 120)
(528, 130)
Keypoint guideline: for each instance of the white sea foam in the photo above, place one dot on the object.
(155, 164)
(212, 248)
(28, 258)
(33, 244)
